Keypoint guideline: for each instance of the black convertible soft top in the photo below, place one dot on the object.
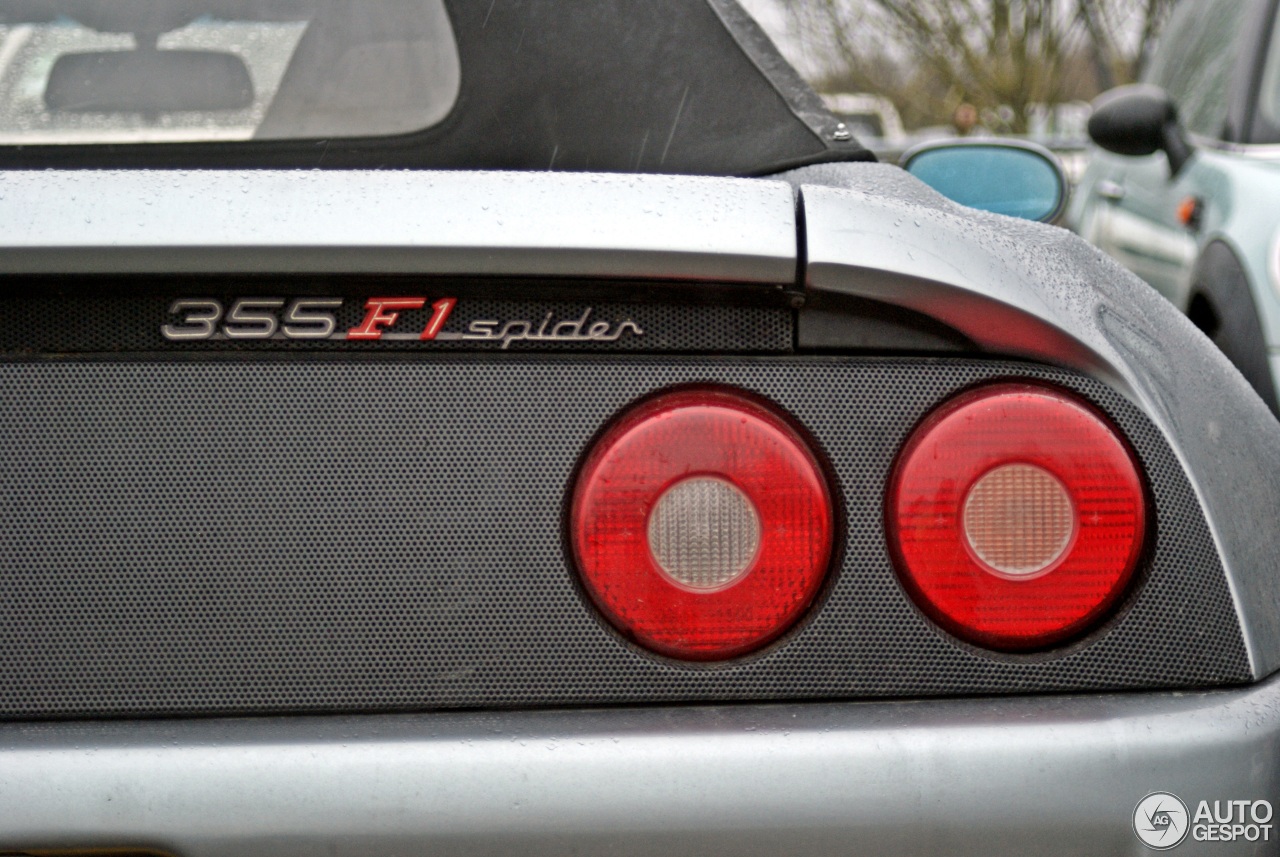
(671, 86)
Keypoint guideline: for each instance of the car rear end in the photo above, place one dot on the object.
(479, 512)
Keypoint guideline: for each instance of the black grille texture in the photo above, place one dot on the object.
(226, 536)
(88, 325)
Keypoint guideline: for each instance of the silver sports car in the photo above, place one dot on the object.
(483, 427)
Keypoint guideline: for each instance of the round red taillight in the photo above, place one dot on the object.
(1017, 515)
(701, 524)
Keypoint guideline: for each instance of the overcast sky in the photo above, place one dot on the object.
(774, 21)
(770, 15)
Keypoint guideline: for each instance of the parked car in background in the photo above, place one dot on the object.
(871, 118)
(1185, 190)
(617, 461)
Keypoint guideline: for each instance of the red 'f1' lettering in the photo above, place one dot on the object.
(381, 312)
(439, 315)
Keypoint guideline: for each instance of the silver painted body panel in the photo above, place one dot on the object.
(1238, 187)
(1048, 775)
(870, 231)
(874, 246)
(1058, 775)
(1038, 292)
(1132, 217)
(384, 222)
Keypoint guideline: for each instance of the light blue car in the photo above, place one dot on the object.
(1186, 190)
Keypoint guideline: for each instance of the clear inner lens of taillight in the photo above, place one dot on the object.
(704, 532)
(1018, 519)
(701, 524)
(1016, 514)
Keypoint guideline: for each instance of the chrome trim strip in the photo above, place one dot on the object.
(1273, 262)
(507, 224)
(1260, 151)
(980, 777)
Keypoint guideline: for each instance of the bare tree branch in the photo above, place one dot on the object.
(1000, 55)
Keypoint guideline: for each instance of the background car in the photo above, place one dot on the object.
(871, 118)
(1186, 190)
(620, 461)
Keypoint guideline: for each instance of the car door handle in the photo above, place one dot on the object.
(1108, 189)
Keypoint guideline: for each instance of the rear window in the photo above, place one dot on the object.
(76, 72)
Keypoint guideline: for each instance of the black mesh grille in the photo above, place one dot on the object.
(289, 535)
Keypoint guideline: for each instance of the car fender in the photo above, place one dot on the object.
(1038, 291)
(1223, 306)
(1241, 211)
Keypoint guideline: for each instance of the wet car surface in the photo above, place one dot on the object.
(634, 467)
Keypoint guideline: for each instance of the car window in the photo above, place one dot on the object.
(1269, 92)
(675, 86)
(76, 72)
(1194, 62)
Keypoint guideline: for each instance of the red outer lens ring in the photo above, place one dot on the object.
(717, 433)
(967, 438)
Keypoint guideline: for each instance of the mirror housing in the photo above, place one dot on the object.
(1010, 177)
(1140, 119)
(148, 81)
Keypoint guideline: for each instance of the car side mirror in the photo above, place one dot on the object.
(1139, 119)
(1002, 176)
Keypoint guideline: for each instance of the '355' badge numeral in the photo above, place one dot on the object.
(302, 318)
